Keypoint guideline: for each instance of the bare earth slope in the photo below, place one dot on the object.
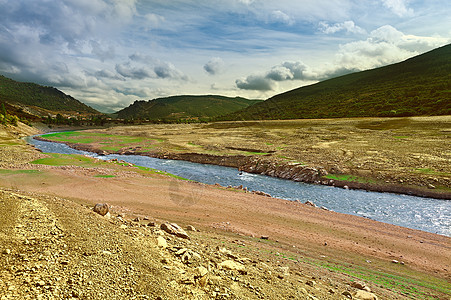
(54, 246)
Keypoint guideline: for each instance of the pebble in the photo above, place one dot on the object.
(310, 283)
(7, 251)
(161, 242)
(201, 271)
(190, 228)
(101, 208)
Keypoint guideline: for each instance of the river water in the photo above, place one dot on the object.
(425, 214)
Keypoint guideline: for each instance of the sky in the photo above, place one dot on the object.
(109, 53)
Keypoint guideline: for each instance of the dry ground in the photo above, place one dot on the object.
(411, 152)
(54, 246)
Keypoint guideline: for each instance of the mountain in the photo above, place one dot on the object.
(417, 86)
(184, 107)
(39, 99)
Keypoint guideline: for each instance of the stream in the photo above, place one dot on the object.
(425, 214)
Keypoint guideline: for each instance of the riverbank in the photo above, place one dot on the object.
(400, 155)
(304, 251)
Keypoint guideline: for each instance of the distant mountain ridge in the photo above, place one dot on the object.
(49, 99)
(417, 86)
(184, 107)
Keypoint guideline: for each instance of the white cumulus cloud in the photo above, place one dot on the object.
(214, 66)
(347, 26)
(399, 7)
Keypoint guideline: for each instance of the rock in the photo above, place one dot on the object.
(190, 228)
(187, 256)
(174, 229)
(431, 186)
(137, 219)
(227, 253)
(231, 265)
(7, 251)
(346, 187)
(40, 283)
(200, 271)
(161, 242)
(151, 224)
(364, 295)
(310, 283)
(395, 261)
(101, 208)
(310, 203)
(284, 271)
(264, 237)
(261, 193)
(347, 294)
(360, 285)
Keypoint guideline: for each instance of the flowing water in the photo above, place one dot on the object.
(426, 214)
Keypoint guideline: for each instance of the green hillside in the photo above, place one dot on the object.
(34, 95)
(418, 86)
(184, 107)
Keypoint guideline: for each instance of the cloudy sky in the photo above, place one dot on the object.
(108, 53)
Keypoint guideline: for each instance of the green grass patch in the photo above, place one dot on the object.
(105, 176)
(83, 137)
(111, 148)
(192, 144)
(431, 172)
(397, 283)
(399, 137)
(350, 178)
(256, 153)
(57, 159)
(12, 172)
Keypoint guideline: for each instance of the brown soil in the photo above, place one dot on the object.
(60, 249)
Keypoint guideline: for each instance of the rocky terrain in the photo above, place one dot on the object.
(53, 248)
(227, 244)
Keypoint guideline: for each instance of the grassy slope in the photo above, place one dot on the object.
(32, 94)
(177, 107)
(418, 86)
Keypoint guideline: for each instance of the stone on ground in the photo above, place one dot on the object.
(174, 229)
(101, 208)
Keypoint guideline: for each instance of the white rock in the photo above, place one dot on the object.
(161, 242)
(231, 265)
(364, 295)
